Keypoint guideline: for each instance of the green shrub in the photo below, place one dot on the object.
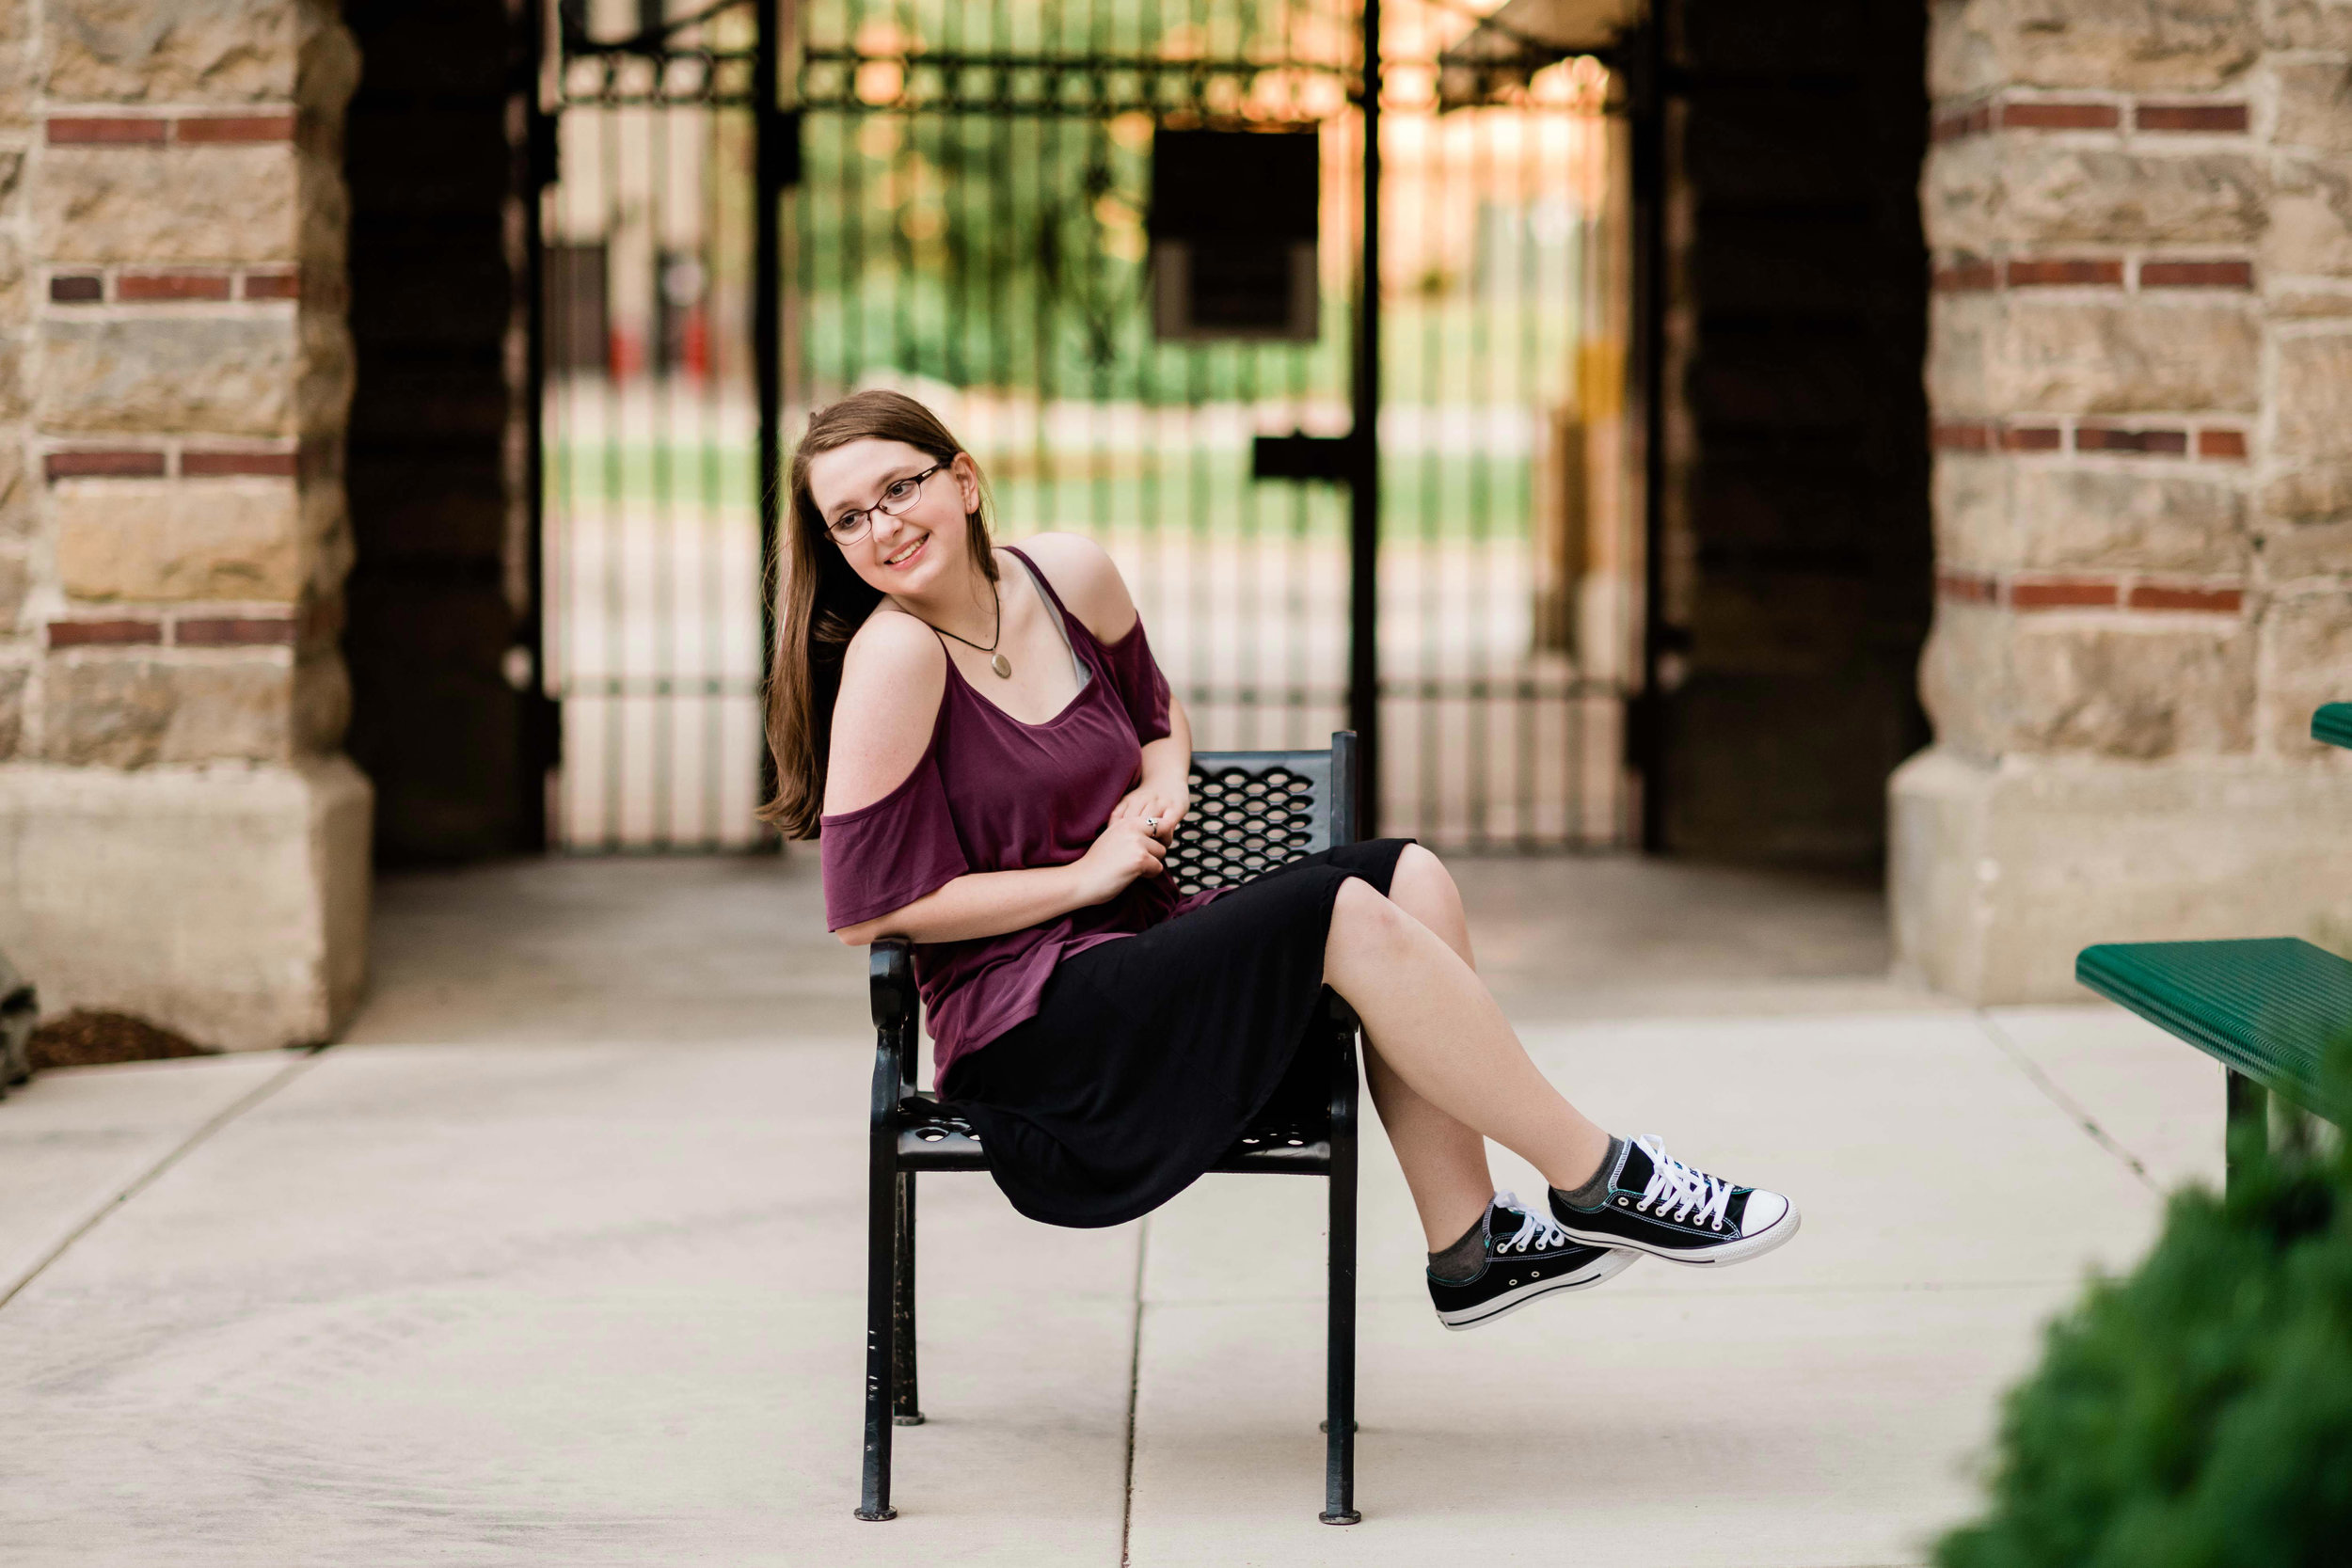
(2198, 1413)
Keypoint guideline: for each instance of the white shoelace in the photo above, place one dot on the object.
(1535, 1231)
(1675, 1185)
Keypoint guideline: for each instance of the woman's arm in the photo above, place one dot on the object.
(1164, 790)
(990, 903)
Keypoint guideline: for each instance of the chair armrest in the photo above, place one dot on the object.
(890, 975)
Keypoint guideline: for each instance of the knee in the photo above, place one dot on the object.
(1361, 917)
(1421, 874)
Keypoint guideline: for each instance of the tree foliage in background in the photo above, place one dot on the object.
(2198, 1413)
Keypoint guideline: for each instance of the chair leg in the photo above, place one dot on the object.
(1339, 1465)
(881, 1236)
(906, 1409)
(2244, 1102)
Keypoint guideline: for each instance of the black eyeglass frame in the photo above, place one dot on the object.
(863, 516)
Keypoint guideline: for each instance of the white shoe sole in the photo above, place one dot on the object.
(1618, 1260)
(1729, 1252)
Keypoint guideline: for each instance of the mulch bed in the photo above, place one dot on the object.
(86, 1038)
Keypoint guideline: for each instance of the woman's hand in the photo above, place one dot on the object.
(1164, 808)
(1123, 852)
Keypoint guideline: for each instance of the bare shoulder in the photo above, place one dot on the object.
(892, 678)
(1087, 579)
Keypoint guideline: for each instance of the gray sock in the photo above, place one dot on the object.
(1464, 1259)
(1594, 1192)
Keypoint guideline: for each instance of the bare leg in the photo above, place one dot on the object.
(1444, 1159)
(1442, 1036)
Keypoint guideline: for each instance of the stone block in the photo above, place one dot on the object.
(228, 904)
(1993, 514)
(2029, 189)
(160, 540)
(2068, 352)
(16, 295)
(13, 680)
(217, 203)
(2306, 661)
(222, 375)
(1998, 684)
(230, 707)
(2141, 688)
(2310, 25)
(2310, 221)
(2314, 100)
(16, 494)
(16, 580)
(2314, 396)
(2296, 550)
(2102, 44)
(134, 51)
(2000, 873)
(155, 707)
(106, 711)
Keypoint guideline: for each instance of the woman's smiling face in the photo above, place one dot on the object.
(926, 547)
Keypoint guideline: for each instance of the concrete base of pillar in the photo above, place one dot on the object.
(2000, 873)
(228, 903)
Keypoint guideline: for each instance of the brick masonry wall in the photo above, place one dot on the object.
(2140, 368)
(174, 361)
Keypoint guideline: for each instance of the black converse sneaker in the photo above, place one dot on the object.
(1527, 1255)
(1663, 1207)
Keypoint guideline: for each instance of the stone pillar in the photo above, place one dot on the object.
(2140, 370)
(179, 838)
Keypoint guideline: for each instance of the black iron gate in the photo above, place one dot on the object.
(1011, 210)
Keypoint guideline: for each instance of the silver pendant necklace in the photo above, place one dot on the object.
(996, 662)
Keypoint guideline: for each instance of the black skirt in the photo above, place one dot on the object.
(1150, 1056)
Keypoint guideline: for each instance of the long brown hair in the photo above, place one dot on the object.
(825, 601)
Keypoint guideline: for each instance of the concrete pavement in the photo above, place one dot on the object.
(584, 1287)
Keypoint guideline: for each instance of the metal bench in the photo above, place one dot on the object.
(2266, 1008)
(1252, 812)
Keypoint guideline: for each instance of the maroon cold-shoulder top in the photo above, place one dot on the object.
(993, 794)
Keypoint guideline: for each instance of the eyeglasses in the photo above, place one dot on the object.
(896, 496)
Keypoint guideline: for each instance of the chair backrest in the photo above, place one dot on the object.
(1253, 811)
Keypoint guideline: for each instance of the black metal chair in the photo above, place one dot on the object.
(1252, 812)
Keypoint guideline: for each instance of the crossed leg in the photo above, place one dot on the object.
(1445, 1067)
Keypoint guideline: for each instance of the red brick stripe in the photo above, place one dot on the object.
(234, 128)
(1968, 587)
(1966, 122)
(2195, 274)
(154, 286)
(2033, 438)
(1962, 437)
(224, 465)
(2062, 593)
(2229, 444)
(84, 131)
(112, 463)
(2170, 443)
(2060, 117)
(2026, 275)
(235, 632)
(79, 634)
(1968, 276)
(2190, 117)
(2211, 601)
(278, 284)
(79, 288)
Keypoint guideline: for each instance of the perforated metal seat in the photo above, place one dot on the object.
(1252, 813)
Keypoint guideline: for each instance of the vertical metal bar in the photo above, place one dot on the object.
(882, 1238)
(906, 1404)
(1363, 599)
(1649, 107)
(534, 165)
(769, 124)
(1339, 1468)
